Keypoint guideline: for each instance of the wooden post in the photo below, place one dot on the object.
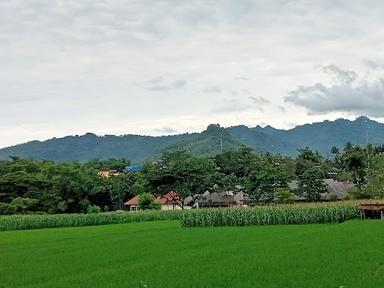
(382, 214)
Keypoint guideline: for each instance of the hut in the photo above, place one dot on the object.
(372, 211)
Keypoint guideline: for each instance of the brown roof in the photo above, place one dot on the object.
(335, 188)
(134, 201)
(169, 198)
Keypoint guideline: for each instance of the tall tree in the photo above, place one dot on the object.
(311, 184)
(179, 172)
(264, 182)
(307, 159)
(354, 162)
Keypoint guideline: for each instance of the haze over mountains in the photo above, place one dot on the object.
(320, 136)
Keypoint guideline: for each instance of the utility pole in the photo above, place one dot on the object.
(367, 138)
(221, 142)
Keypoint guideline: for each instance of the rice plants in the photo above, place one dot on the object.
(165, 255)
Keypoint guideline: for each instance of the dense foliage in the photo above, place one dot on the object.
(44, 186)
(32, 186)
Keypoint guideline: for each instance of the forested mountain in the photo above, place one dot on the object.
(320, 136)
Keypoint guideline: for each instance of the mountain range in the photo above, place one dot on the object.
(318, 136)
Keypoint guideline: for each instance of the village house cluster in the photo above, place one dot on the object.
(336, 190)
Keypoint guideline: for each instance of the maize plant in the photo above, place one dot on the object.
(272, 215)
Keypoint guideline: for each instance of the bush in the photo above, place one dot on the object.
(285, 196)
(22, 205)
(93, 209)
(356, 194)
(6, 209)
(148, 202)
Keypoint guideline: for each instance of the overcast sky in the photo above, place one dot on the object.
(160, 67)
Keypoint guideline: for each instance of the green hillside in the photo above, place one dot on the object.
(320, 136)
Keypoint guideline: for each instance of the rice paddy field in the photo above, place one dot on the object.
(164, 254)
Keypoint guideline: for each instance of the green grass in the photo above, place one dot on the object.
(163, 254)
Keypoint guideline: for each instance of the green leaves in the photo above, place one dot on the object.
(180, 172)
(311, 184)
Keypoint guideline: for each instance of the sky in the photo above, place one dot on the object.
(159, 67)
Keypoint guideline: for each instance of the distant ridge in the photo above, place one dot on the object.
(320, 136)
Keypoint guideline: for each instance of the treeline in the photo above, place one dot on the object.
(29, 186)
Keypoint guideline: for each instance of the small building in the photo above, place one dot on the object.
(133, 204)
(372, 211)
(336, 190)
(169, 201)
(133, 168)
(106, 173)
(220, 199)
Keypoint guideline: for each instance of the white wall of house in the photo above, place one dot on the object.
(170, 207)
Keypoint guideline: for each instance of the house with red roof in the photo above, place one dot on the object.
(169, 201)
(132, 204)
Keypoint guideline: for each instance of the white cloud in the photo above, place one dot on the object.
(117, 66)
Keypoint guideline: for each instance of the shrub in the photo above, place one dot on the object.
(22, 205)
(147, 202)
(93, 209)
(285, 196)
(7, 209)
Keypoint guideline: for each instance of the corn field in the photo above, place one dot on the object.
(264, 215)
(22, 222)
(272, 215)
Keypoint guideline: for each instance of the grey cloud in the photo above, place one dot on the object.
(350, 93)
(213, 89)
(155, 80)
(259, 100)
(374, 65)
(241, 77)
(166, 87)
(166, 130)
(245, 91)
(230, 105)
(340, 75)
(145, 23)
(240, 104)
(179, 83)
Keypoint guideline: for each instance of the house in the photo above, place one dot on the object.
(218, 199)
(133, 204)
(169, 201)
(106, 173)
(133, 168)
(336, 190)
